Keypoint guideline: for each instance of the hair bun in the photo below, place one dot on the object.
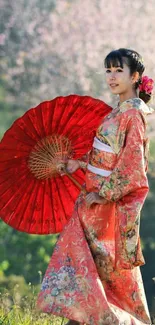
(145, 97)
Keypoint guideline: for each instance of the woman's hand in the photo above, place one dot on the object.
(94, 197)
(72, 166)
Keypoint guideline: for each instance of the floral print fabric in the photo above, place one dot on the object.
(93, 276)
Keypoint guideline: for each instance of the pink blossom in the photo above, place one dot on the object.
(146, 85)
(2, 39)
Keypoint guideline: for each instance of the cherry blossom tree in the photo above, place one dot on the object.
(58, 48)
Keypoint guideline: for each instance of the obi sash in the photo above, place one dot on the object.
(97, 144)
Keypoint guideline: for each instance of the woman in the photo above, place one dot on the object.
(94, 274)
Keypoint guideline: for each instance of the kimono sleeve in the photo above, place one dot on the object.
(129, 173)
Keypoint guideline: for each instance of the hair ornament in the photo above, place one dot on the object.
(146, 85)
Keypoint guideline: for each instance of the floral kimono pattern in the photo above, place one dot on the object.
(94, 276)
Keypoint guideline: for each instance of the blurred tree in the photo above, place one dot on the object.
(148, 231)
(58, 48)
(23, 254)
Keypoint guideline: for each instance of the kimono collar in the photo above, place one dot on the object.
(137, 103)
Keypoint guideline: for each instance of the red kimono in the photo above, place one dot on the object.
(94, 276)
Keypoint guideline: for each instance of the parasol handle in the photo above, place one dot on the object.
(75, 181)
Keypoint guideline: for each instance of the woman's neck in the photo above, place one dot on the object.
(126, 96)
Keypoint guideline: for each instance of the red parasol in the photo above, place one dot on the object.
(34, 198)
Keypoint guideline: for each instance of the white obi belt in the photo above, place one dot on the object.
(97, 144)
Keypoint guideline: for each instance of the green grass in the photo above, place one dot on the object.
(16, 316)
(17, 310)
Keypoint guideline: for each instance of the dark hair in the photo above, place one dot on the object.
(135, 63)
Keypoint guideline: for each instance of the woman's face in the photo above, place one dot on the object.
(119, 80)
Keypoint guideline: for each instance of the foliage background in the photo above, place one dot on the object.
(51, 48)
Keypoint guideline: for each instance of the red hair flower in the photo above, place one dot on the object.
(146, 85)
